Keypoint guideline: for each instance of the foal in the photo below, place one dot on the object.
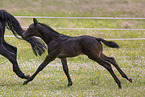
(62, 46)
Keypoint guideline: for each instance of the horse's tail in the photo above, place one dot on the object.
(11, 23)
(108, 43)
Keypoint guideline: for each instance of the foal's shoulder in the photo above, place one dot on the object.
(59, 39)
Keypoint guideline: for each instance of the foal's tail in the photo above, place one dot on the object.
(108, 43)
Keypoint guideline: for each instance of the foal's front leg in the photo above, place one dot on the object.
(47, 60)
(66, 70)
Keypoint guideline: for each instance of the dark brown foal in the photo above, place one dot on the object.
(62, 46)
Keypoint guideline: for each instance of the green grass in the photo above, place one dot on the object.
(89, 78)
(123, 8)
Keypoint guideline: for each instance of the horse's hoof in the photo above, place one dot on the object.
(130, 79)
(69, 84)
(27, 76)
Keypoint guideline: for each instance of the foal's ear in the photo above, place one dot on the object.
(35, 21)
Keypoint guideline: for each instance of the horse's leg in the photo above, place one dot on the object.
(9, 52)
(12, 58)
(66, 70)
(9, 47)
(107, 66)
(47, 60)
(112, 61)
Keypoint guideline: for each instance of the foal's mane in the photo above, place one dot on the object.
(48, 27)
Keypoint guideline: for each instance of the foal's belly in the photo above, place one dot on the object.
(64, 55)
(69, 50)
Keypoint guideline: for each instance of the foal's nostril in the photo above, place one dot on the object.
(22, 35)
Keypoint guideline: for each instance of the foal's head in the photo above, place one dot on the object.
(32, 30)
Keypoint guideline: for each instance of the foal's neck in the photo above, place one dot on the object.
(47, 34)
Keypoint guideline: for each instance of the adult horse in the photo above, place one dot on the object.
(9, 51)
(63, 46)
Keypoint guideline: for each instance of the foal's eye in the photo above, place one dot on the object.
(30, 29)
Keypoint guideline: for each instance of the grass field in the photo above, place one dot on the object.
(89, 78)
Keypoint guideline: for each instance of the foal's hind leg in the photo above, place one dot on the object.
(65, 68)
(113, 62)
(107, 66)
(11, 56)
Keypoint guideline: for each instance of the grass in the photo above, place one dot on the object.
(123, 8)
(89, 78)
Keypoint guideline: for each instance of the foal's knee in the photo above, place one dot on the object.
(112, 58)
(108, 67)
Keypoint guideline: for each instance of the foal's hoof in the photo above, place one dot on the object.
(69, 84)
(119, 86)
(25, 82)
(130, 79)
